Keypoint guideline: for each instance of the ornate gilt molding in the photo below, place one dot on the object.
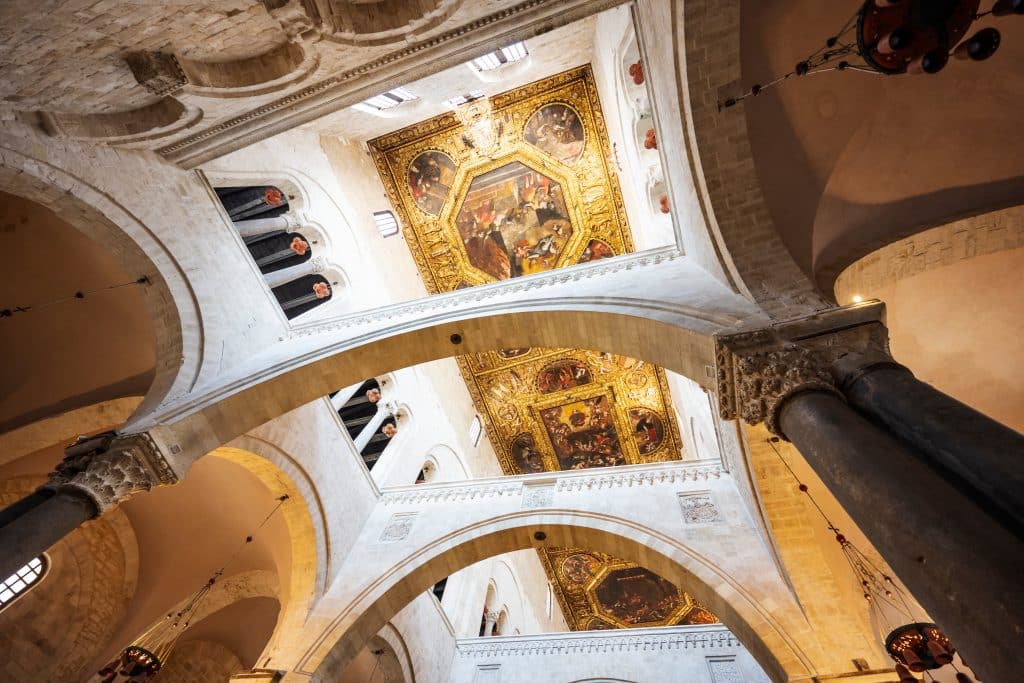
(759, 370)
(110, 468)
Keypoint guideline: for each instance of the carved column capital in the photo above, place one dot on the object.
(110, 468)
(759, 370)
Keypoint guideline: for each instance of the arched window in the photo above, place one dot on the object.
(379, 441)
(251, 203)
(427, 472)
(387, 224)
(278, 250)
(359, 410)
(21, 581)
(302, 294)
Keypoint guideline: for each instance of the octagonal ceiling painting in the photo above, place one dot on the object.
(539, 195)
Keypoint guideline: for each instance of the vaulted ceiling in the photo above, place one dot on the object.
(852, 161)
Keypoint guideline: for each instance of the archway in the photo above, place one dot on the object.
(166, 295)
(751, 622)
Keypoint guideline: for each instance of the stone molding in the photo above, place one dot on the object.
(398, 527)
(538, 489)
(699, 508)
(345, 88)
(463, 297)
(158, 72)
(111, 468)
(663, 639)
(759, 370)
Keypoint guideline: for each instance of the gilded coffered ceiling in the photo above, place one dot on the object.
(598, 591)
(519, 185)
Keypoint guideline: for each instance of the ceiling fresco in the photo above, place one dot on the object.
(598, 591)
(527, 189)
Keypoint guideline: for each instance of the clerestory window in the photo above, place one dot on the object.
(23, 580)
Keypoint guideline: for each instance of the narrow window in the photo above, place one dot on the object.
(21, 581)
(384, 101)
(506, 55)
(476, 430)
(387, 224)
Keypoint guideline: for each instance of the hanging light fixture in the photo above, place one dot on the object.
(146, 655)
(914, 645)
(892, 37)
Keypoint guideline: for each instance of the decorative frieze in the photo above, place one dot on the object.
(539, 490)
(684, 638)
(110, 468)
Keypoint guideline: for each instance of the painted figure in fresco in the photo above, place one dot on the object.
(580, 567)
(430, 177)
(556, 129)
(595, 251)
(638, 596)
(562, 375)
(583, 434)
(648, 430)
(513, 222)
(525, 454)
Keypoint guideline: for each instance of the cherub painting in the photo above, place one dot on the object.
(430, 179)
(556, 129)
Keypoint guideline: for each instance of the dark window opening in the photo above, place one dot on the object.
(439, 587)
(251, 203)
(302, 294)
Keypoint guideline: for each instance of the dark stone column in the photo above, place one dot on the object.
(96, 474)
(18, 508)
(39, 527)
(971, 449)
(963, 567)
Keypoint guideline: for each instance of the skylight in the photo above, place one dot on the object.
(462, 99)
(386, 222)
(506, 55)
(392, 98)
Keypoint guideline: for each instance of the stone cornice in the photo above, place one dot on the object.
(631, 640)
(411, 62)
(495, 291)
(516, 486)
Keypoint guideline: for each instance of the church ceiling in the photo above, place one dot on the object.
(523, 184)
(525, 189)
(598, 592)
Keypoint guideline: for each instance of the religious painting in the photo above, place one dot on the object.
(580, 567)
(525, 454)
(595, 251)
(583, 434)
(556, 129)
(636, 596)
(561, 375)
(598, 591)
(513, 222)
(430, 180)
(648, 429)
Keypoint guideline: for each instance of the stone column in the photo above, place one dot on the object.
(261, 226)
(310, 267)
(972, 449)
(490, 623)
(95, 475)
(961, 564)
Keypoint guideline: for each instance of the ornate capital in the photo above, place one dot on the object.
(758, 370)
(110, 468)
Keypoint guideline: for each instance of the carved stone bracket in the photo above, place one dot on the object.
(158, 72)
(758, 370)
(110, 468)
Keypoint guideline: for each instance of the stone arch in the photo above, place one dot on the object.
(168, 296)
(614, 328)
(307, 527)
(449, 465)
(200, 661)
(54, 630)
(751, 622)
(391, 635)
